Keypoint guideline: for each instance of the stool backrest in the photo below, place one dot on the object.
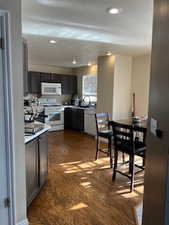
(123, 134)
(102, 121)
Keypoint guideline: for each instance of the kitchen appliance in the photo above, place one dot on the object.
(51, 88)
(75, 100)
(55, 117)
(54, 113)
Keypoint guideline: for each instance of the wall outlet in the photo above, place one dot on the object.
(153, 126)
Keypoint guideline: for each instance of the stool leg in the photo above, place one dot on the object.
(97, 148)
(132, 173)
(130, 164)
(110, 151)
(115, 164)
(123, 158)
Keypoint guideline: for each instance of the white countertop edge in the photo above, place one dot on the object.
(30, 138)
(78, 107)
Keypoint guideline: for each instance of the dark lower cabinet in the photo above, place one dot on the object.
(43, 159)
(36, 166)
(32, 171)
(74, 118)
(68, 118)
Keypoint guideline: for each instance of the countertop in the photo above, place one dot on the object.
(31, 137)
(78, 107)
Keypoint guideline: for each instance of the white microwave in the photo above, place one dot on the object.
(51, 88)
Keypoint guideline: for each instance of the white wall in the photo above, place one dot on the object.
(122, 88)
(105, 84)
(14, 8)
(50, 69)
(141, 82)
(114, 86)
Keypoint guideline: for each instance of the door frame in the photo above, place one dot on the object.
(7, 83)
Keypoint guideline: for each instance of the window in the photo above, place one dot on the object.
(90, 87)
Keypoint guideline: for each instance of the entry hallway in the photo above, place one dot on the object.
(79, 190)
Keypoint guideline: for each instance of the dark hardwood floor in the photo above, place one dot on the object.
(79, 190)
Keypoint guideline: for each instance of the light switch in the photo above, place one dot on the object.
(153, 126)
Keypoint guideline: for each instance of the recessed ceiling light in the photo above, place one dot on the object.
(113, 10)
(89, 64)
(74, 61)
(52, 42)
(108, 53)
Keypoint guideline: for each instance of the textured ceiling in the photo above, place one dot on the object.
(84, 30)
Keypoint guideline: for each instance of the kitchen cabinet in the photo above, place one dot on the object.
(74, 118)
(68, 82)
(90, 122)
(56, 78)
(32, 178)
(35, 82)
(68, 118)
(36, 159)
(43, 159)
(25, 68)
(45, 77)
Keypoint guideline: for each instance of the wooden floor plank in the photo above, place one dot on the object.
(79, 190)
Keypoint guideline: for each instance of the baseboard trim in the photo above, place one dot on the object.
(24, 222)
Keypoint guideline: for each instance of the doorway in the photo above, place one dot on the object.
(7, 187)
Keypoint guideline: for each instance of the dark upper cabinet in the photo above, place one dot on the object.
(65, 84)
(56, 78)
(46, 77)
(68, 82)
(34, 83)
(74, 85)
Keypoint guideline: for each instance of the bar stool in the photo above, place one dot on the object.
(103, 131)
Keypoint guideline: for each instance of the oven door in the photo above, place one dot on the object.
(55, 118)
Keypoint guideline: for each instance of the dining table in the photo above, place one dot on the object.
(136, 124)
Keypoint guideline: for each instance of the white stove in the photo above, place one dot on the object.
(54, 113)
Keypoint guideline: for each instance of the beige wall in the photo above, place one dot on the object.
(14, 8)
(80, 72)
(51, 69)
(105, 84)
(122, 88)
(140, 83)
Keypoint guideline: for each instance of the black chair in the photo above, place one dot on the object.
(103, 131)
(129, 140)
